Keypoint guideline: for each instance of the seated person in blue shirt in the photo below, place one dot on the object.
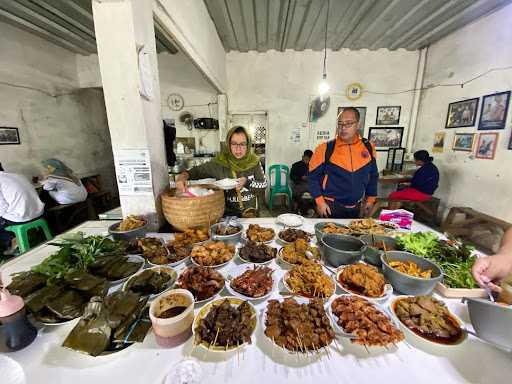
(299, 176)
(424, 182)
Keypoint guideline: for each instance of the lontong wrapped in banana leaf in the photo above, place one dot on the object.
(103, 318)
(151, 282)
(24, 283)
(114, 267)
(63, 300)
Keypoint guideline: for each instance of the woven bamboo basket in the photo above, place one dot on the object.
(192, 212)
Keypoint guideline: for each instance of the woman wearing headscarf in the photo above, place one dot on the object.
(62, 184)
(235, 161)
(424, 182)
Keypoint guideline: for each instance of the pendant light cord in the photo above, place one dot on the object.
(325, 39)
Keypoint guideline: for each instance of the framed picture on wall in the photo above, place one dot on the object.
(462, 113)
(385, 138)
(486, 147)
(494, 111)
(362, 118)
(463, 142)
(438, 146)
(388, 115)
(9, 135)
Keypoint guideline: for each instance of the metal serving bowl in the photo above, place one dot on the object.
(319, 226)
(128, 235)
(371, 254)
(232, 239)
(408, 284)
(341, 249)
(491, 321)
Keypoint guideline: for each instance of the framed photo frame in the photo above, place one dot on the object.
(385, 138)
(362, 118)
(463, 142)
(493, 114)
(388, 115)
(438, 146)
(486, 147)
(462, 113)
(9, 136)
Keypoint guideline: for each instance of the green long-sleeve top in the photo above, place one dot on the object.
(256, 181)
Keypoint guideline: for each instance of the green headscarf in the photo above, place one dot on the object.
(226, 158)
(61, 170)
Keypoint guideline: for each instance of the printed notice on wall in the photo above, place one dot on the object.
(322, 135)
(133, 169)
(295, 135)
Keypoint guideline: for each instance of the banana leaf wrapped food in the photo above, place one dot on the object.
(115, 267)
(110, 324)
(61, 300)
(152, 281)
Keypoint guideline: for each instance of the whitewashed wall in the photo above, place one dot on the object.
(179, 75)
(283, 83)
(485, 185)
(72, 128)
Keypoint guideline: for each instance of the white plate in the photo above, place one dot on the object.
(11, 371)
(215, 295)
(255, 262)
(324, 298)
(286, 263)
(237, 271)
(298, 299)
(290, 220)
(226, 183)
(204, 311)
(342, 332)
(421, 341)
(388, 289)
(245, 239)
(217, 266)
(162, 268)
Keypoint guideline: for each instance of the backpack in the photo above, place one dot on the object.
(330, 149)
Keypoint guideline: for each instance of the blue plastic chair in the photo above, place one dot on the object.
(279, 175)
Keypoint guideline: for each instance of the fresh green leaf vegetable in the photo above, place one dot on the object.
(455, 258)
(76, 253)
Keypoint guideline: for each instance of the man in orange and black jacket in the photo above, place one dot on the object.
(343, 172)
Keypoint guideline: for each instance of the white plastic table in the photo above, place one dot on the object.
(45, 361)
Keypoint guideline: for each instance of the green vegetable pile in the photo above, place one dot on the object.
(455, 258)
(75, 254)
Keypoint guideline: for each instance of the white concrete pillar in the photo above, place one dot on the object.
(123, 27)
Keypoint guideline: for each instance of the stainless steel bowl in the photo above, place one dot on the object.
(492, 322)
(128, 235)
(232, 239)
(371, 254)
(341, 249)
(407, 284)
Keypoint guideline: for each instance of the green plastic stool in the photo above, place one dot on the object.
(21, 232)
(280, 185)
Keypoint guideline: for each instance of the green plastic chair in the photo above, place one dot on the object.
(279, 174)
(21, 232)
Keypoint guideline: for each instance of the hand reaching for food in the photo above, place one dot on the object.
(241, 182)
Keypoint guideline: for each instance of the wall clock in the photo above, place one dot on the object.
(175, 101)
(354, 91)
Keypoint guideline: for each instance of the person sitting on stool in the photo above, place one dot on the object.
(299, 178)
(19, 203)
(423, 184)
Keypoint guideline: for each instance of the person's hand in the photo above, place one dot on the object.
(323, 209)
(367, 208)
(241, 182)
(490, 270)
(181, 185)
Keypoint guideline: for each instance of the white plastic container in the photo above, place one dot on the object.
(174, 330)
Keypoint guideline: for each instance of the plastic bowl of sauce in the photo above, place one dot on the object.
(172, 314)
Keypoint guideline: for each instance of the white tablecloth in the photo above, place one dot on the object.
(45, 361)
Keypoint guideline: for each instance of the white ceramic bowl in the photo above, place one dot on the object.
(388, 289)
(204, 311)
(420, 341)
(237, 271)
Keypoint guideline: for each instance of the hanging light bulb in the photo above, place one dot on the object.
(323, 87)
